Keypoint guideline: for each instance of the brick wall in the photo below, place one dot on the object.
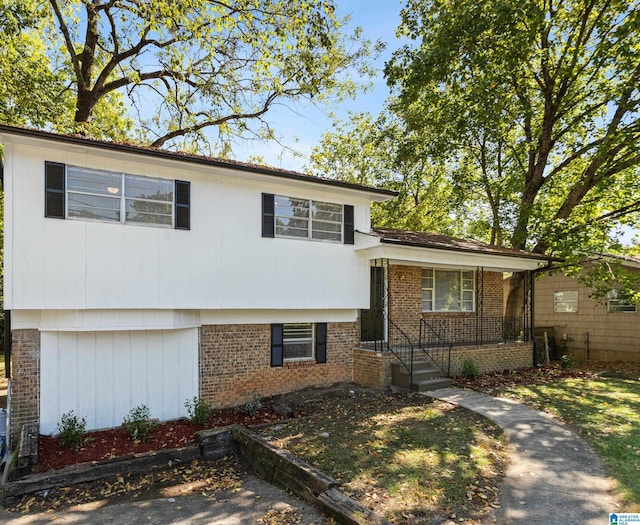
(405, 299)
(25, 380)
(235, 361)
(372, 369)
(493, 358)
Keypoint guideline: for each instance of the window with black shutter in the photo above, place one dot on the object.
(277, 331)
(183, 205)
(321, 342)
(74, 192)
(54, 190)
(348, 224)
(268, 215)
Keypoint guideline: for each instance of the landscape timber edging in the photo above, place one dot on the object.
(210, 444)
(282, 468)
(275, 465)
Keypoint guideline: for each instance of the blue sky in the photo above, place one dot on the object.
(302, 126)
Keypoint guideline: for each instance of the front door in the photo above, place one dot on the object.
(372, 320)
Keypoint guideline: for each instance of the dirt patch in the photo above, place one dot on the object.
(512, 378)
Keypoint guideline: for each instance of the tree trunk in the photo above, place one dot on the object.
(85, 102)
(515, 298)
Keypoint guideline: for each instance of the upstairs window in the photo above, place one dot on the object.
(565, 301)
(618, 301)
(308, 219)
(82, 193)
(448, 290)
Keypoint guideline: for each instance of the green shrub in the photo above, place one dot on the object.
(198, 410)
(567, 361)
(138, 423)
(469, 369)
(72, 428)
(254, 404)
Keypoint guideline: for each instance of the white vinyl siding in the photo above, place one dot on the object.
(308, 219)
(565, 301)
(448, 290)
(107, 196)
(297, 341)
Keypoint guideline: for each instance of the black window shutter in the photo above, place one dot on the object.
(7, 344)
(348, 224)
(183, 205)
(268, 215)
(321, 342)
(54, 190)
(277, 331)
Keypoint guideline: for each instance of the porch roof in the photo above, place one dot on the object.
(424, 248)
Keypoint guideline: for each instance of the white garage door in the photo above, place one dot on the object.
(103, 375)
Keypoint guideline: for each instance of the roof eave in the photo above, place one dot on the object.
(377, 194)
(523, 255)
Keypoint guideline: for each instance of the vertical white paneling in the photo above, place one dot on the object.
(49, 378)
(221, 263)
(106, 381)
(103, 375)
(86, 370)
(67, 391)
(119, 383)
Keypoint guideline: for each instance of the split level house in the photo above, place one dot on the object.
(141, 276)
(606, 329)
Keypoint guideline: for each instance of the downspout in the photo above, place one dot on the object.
(532, 295)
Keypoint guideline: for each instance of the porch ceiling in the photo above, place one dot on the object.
(375, 248)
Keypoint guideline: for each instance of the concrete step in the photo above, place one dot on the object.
(426, 369)
(422, 379)
(422, 386)
(431, 384)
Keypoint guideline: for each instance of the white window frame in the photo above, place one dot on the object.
(310, 220)
(619, 305)
(431, 289)
(565, 301)
(298, 340)
(119, 192)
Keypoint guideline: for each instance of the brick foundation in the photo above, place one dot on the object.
(493, 358)
(25, 380)
(235, 361)
(372, 369)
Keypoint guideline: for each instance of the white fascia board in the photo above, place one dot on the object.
(118, 320)
(104, 320)
(236, 172)
(412, 255)
(365, 241)
(230, 317)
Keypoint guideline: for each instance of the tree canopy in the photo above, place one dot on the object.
(173, 73)
(382, 153)
(538, 101)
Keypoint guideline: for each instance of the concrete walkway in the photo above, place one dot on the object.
(255, 502)
(553, 476)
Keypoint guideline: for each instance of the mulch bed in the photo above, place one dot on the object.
(106, 444)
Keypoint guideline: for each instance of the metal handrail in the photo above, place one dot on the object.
(400, 345)
(435, 347)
